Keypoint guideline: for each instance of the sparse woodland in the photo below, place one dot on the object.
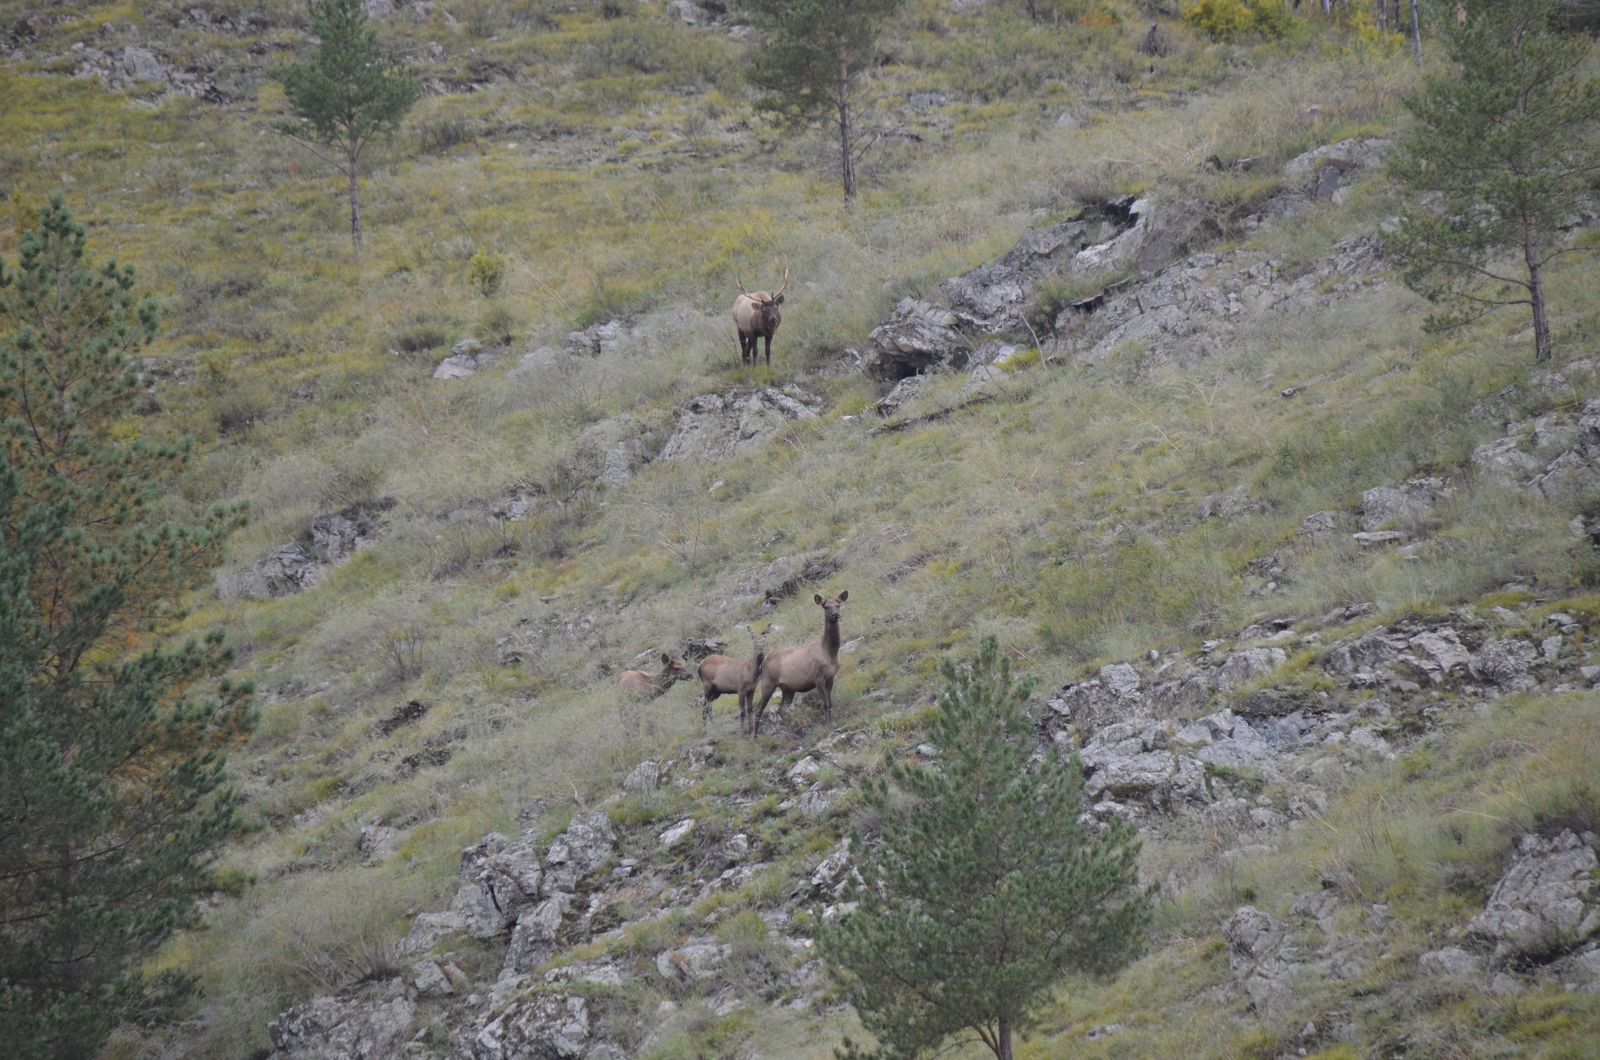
(1110, 357)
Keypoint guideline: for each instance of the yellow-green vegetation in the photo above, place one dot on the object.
(607, 162)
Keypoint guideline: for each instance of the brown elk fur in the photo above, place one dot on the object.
(756, 317)
(721, 676)
(643, 686)
(803, 667)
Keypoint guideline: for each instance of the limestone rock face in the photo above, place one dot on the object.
(917, 338)
(716, 426)
(333, 537)
(329, 1028)
(1547, 902)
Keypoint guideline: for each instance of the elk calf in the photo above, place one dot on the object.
(803, 667)
(756, 316)
(642, 686)
(721, 676)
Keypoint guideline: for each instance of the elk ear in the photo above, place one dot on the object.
(778, 300)
(816, 598)
(666, 658)
(844, 596)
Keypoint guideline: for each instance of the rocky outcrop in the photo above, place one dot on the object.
(467, 358)
(1554, 456)
(717, 426)
(997, 297)
(329, 1028)
(134, 67)
(1195, 308)
(542, 1027)
(1547, 902)
(333, 537)
(917, 338)
(610, 452)
(1404, 505)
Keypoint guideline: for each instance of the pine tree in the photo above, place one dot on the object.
(985, 887)
(1498, 159)
(112, 792)
(813, 53)
(347, 94)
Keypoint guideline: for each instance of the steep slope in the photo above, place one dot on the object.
(1209, 431)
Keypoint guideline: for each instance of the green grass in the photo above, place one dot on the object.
(622, 172)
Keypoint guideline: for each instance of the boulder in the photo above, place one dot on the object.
(1384, 507)
(694, 962)
(466, 357)
(1548, 900)
(540, 1027)
(533, 940)
(1342, 157)
(333, 538)
(328, 1028)
(610, 452)
(579, 851)
(676, 834)
(430, 929)
(917, 338)
(716, 426)
(644, 777)
(1451, 961)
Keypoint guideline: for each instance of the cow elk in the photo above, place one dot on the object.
(756, 316)
(803, 667)
(721, 676)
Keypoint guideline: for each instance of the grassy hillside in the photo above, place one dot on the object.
(610, 155)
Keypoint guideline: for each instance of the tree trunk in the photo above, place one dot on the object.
(1416, 30)
(1541, 322)
(1003, 1039)
(354, 171)
(847, 147)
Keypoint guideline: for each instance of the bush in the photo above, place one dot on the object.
(487, 273)
(1232, 19)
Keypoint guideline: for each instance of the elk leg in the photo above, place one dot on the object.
(826, 688)
(756, 712)
(769, 350)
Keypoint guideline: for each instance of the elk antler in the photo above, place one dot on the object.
(739, 284)
(785, 282)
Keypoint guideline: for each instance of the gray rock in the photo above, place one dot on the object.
(539, 1027)
(716, 426)
(1507, 663)
(901, 393)
(579, 851)
(498, 880)
(1547, 901)
(1248, 666)
(329, 1028)
(676, 834)
(917, 338)
(1378, 538)
(1385, 507)
(1439, 655)
(533, 940)
(693, 963)
(1504, 463)
(646, 776)
(610, 452)
(430, 929)
(597, 339)
(804, 771)
(1452, 960)
(1341, 157)
(466, 357)
(831, 874)
(430, 980)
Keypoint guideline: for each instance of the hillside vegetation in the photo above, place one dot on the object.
(511, 540)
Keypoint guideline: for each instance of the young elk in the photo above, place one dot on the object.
(756, 316)
(641, 686)
(803, 667)
(721, 676)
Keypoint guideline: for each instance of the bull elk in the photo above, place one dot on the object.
(803, 667)
(721, 676)
(756, 316)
